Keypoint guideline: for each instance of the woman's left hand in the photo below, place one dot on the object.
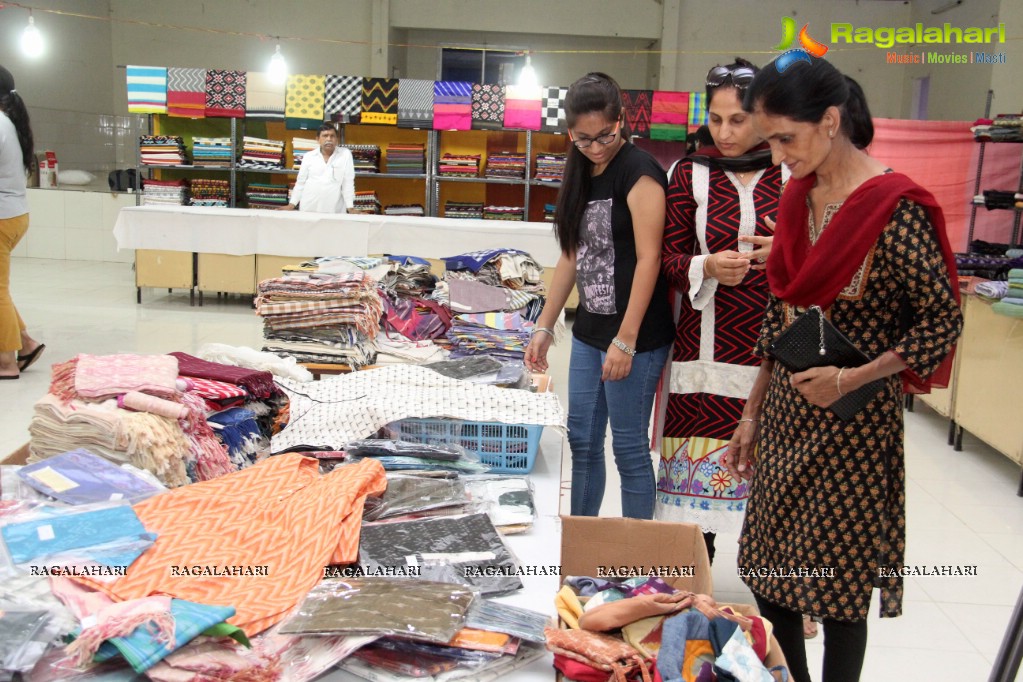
(617, 364)
(762, 247)
(819, 385)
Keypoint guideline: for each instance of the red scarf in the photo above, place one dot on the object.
(805, 275)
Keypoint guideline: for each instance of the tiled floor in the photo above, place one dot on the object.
(962, 507)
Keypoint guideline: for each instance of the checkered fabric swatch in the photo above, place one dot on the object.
(342, 98)
(553, 113)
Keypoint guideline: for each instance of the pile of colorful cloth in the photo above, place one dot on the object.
(366, 203)
(300, 146)
(212, 152)
(260, 154)
(206, 192)
(550, 167)
(164, 192)
(406, 159)
(460, 165)
(463, 209)
(506, 165)
(1011, 304)
(162, 150)
(265, 195)
(1003, 128)
(366, 157)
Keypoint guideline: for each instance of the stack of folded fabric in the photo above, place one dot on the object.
(212, 152)
(1012, 303)
(164, 192)
(206, 192)
(260, 154)
(460, 166)
(548, 212)
(550, 167)
(299, 147)
(366, 157)
(162, 150)
(263, 195)
(406, 159)
(509, 268)
(405, 210)
(463, 209)
(1003, 128)
(506, 165)
(315, 317)
(504, 213)
(366, 203)
(993, 199)
(410, 277)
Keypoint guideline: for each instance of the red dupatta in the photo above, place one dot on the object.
(803, 274)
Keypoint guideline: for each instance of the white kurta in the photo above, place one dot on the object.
(325, 186)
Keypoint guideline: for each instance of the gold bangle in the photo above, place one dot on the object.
(838, 383)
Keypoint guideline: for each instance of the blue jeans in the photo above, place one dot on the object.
(627, 404)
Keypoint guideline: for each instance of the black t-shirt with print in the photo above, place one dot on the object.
(606, 258)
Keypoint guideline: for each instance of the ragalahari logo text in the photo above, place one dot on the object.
(807, 46)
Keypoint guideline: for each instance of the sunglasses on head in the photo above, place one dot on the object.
(741, 76)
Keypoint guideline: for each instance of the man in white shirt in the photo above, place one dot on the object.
(326, 179)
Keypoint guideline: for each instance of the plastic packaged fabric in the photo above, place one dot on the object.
(381, 606)
(466, 549)
(412, 494)
(403, 663)
(467, 368)
(462, 657)
(23, 638)
(376, 447)
(525, 624)
(467, 466)
(58, 666)
(89, 536)
(493, 670)
(14, 489)
(80, 477)
(507, 500)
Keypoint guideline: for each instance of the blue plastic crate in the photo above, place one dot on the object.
(505, 448)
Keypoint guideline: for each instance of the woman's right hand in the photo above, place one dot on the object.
(727, 267)
(740, 459)
(536, 352)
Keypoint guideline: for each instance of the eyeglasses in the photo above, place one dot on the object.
(741, 76)
(603, 139)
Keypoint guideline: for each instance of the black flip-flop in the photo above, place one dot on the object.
(25, 361)
(6, 377)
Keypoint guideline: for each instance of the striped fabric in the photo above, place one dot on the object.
(147, 89)
(186, 92)
(669, 116)
(342, 98)
(522, 107)
(303, 102)
(415, 103)
(380, 101)
(264, 97)
(697, 110)
(452, 105)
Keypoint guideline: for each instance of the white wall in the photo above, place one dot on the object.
(1005, 78)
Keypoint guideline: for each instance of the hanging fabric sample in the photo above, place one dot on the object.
(415, 103)
(303, 103)
(147, 89)
(264, 97)
(637, 104)
(553, 110)
(261, 532)
(669, 116)
(225, 93)
(487, 106)
(522, 107)
(452, 105)
(380, 101)
(697, 110)
(342, 98)
(186, 92)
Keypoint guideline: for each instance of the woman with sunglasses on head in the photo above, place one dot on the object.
(861, 249)
(721, 202)
(609, 224)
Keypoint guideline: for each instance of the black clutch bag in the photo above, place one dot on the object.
(812, 341)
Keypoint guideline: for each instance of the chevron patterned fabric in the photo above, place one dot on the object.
(380, 101)
(269, 516)
(415, 103)
(225, 93)
(342, 98)
(487, 106)
(186, 92)
(303, 102)
(452, 105)
(637, 105)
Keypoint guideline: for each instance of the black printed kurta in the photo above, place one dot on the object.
(829, 494)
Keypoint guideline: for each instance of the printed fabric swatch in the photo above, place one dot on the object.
(267, 520)
(522, 107)
(554, 110)
(638, 104)
(225, 93)
(452, 105)
(380, 101)
(487, 106)
(342, 98)
(303, 102)
(264, 97)
(697, 110)
(415, 103)
(186, 92)
(463, 550)
(147, 89)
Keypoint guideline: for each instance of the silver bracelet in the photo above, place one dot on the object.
(545, 330)
(624, 347)
(838, 383)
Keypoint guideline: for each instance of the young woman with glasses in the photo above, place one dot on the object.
(609, 224)
(721, 203)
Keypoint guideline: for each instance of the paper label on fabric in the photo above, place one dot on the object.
(411, 560)
(53, 479)
(45, 532)
(88, 622)
(114, 497)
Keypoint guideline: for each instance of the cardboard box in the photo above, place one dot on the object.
(622, 548)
